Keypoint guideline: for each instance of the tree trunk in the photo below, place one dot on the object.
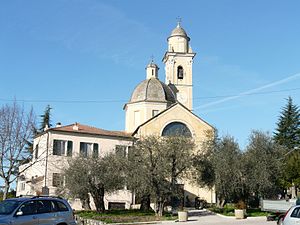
(221, 202)
(98, 197)
(159, 208)
(145, 203)
(6, 189)
(86, 203)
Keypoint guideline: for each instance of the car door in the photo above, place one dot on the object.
(26, 214)
(295, 216)
(45, 212)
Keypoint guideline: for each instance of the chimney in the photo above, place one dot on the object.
(58, 124)
(46, 127)
(75, 127)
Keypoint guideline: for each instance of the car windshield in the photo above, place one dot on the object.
(8, 206)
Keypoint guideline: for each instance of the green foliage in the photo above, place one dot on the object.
(96, 176)
(238, 175)
(228, 210)
(262, 165)
(288, 127)
(46, 119)
(288, 135)
(292, 169)
(156, 164)
(124, 216)
(221, 157)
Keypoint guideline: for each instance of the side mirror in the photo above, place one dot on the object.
(19, 213)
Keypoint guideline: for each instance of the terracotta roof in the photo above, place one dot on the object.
(85, 129)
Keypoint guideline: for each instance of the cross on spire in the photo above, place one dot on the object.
(179, 20)
(152, 58)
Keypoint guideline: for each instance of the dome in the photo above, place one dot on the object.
(179, 31)
(152, 65)
(152, 90)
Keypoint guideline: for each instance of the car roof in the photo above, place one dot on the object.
(22, 199)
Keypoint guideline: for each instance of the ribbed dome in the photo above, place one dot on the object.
(152, 90)
(178, 31)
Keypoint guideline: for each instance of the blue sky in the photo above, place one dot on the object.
(84, 57)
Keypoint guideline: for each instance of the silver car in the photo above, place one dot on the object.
(36, 211)
(292, 216)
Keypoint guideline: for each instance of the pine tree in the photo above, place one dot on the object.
(46, 121)
(288, 127)
(288, 135)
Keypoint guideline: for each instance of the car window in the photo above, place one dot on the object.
(28, 208)
(44, 206)
(8, 206)
(54, 206)
(296, 213)
(61, 206)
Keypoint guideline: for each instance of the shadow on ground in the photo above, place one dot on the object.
(200, 213)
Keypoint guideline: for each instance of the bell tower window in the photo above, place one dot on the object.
(180, 72)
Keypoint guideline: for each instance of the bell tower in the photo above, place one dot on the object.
(178, 62)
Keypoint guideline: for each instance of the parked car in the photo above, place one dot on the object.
(292, 216)
(278, 207)
(37, 210)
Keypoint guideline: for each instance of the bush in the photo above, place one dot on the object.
(241, 205)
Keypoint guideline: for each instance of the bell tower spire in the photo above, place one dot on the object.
(178, 62)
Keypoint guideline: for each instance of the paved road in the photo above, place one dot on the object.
(201, 217)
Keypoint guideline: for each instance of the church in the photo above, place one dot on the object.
(154, 108)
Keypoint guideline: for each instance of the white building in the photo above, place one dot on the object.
(55, 146)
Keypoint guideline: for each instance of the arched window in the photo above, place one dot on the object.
(176, 129)
(179, 72)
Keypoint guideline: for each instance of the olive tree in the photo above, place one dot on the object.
(263, 165)
(95, 176)
(156, 164)
(219, 166)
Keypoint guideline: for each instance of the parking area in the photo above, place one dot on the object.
(202, 217)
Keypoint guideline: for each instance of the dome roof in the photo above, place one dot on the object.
(179, 31)
(152, 64)
(152, 90)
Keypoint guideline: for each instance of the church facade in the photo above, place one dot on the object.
(155, 108)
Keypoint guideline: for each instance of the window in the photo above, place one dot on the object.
(59, 147)
(296, 213)
(57, 180)
(121, 150)
(179, 72)
(155, 112)
(61, 206)
(36, 151)
(130, 152)
(89, 149)
(44, 206)
(176, 129)
(95, 150)
(28, 208)
(69, 148)
(22, 186)
(137, 118)
(62, 147)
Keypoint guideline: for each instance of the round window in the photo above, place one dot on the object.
(176, 129)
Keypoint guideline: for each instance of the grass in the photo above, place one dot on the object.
(124, 216)
(229, 211)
